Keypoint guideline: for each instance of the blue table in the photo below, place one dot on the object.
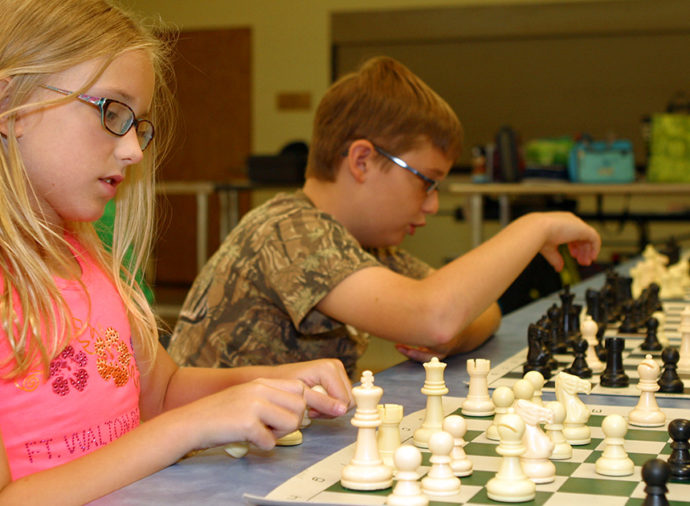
(214, 478)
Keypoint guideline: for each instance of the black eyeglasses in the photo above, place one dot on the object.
(116, 117)
(431, 184)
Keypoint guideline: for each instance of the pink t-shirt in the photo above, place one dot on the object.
(92, 395)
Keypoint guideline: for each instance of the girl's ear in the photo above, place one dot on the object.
(358, 157)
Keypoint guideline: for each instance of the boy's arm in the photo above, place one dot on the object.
(431, 312)
(471, 337)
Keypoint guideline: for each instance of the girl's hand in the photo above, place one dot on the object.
(331, 375)
(259, 412)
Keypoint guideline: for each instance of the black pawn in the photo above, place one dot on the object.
(655, 473)
(614, 375)
(651, 343)
(669, 381)
(679, 460)
(579, 367)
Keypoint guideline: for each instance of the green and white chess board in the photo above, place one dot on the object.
(576, 481)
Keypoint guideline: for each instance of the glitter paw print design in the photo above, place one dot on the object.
(113, 358)
(68, 371)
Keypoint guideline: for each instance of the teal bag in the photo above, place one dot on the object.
(602, 162)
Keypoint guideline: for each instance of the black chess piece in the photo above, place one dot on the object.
(580, 367)
(629, 323)
(669, 381)
(566, 306)
(614, 375)
(679, 460)
(655, 473)
(651, 343)
(537, 354)
(654, 300)
(545, 336)
(615, 294)
(558, 344)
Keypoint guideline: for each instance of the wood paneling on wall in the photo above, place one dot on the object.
(213, 138)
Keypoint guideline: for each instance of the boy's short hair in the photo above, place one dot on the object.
(387, 104)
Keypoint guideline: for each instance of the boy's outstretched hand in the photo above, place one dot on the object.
(583, 241)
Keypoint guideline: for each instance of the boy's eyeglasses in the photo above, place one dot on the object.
(116, 117)
(431, 184)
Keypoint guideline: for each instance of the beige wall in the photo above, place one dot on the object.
(291, 45)
(291, 48)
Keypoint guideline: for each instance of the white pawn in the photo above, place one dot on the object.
(647, 412)
(456, 426)
(478, 402)
(503, 398)
(537, 380)
(440, 480)
(511, 484)
(388, 439)
(522, 389)
(589, 330)
(407, 491)
(614, 461)
(561, 449)
(538, 447)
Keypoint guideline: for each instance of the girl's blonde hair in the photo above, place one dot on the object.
(39, 38)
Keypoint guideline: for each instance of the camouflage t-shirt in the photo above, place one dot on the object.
(254, 301)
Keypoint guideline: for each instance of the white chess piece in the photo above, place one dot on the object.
(589, 328)
(389, 431)
(440, 480)
(503, 398)
(478, 402)
(292, 439)
(575, 427)
(407, 491)
(614, 461)
(366, 470)
(562, 449)
(434, 388)
(456, 426)
(511, 484)
(306, 421)
(647, 412)
(537, 380)
(237, 450)
(684, 351)
(522, 389)
(538, 447)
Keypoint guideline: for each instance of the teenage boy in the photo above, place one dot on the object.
(311, 274)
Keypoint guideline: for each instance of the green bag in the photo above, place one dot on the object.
(669, 157)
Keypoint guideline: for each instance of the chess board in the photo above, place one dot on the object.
(575, 484)
(509, 371)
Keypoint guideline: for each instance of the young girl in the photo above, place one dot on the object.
(84, 386)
